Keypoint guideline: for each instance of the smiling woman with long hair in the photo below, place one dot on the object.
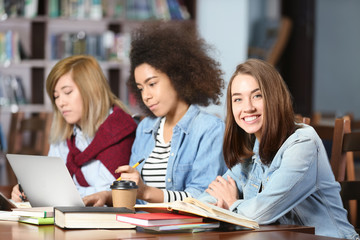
(279, 171)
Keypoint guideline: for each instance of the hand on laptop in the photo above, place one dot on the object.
(17, 195)
(98, 199)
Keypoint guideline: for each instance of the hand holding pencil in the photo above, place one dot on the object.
(134, 166)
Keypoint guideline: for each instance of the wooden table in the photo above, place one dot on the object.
(15, 231)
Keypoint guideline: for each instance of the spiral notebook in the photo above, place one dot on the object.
(45, 180)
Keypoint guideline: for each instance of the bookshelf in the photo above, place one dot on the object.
(41, 31)
(58, 23)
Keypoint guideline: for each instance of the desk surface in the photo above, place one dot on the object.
(15, 231)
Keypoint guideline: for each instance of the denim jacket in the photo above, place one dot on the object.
(298, 187)
(196, 156)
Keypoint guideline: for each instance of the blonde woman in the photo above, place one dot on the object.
(91, 130)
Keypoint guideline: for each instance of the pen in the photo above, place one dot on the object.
(135, 165)
(21, 196)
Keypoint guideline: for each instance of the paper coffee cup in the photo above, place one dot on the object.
(124, 194)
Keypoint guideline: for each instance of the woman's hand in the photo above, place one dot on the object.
(225, 191)
(16, 195)
(131, 174)
(98, 199)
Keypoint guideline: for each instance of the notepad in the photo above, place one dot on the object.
(37, 220)
(42, 212)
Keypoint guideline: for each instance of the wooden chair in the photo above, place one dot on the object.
(323, 118)
(28, 135)
(345, 143)
(300, 119)
(323, 123)
(306, 120)
(350, 191)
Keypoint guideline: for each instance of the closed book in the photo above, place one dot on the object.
(90, 217)
(42, 212)
(8, 216)
(157, 219)
(37, 220)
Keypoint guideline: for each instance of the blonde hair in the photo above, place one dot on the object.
(95, 92)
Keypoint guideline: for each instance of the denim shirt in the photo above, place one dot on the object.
(298, 187)
(196, 156)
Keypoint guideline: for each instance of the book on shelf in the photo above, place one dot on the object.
(31, 8)
(37, 220)
(11, 90)
(157, 219)
(174, 9)
(199, 208)
(19, 8)
(194, 227)
(40, 212)
(90, 217)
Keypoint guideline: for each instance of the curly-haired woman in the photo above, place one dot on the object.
(172, 75)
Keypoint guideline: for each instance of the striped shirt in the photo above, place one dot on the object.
(154, 169)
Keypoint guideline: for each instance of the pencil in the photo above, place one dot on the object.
(22, 191)
(135, 165)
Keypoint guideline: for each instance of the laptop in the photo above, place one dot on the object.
(45, 180)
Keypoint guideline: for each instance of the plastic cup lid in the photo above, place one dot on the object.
(122, 184)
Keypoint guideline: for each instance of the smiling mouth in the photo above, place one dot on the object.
(251, 118)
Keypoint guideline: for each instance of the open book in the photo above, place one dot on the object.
(197, 207)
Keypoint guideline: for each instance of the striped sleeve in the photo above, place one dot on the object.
(170, 196)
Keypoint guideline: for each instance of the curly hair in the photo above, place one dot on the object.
(176, 50)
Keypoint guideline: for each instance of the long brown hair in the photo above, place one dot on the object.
(95, 92)
(279, 120)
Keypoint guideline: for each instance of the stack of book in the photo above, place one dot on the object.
(196, 207)
(166, 221)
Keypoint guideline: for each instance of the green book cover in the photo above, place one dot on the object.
(53, 8)
(36, 220)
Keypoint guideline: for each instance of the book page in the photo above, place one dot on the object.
(194, 206)
(215, 209)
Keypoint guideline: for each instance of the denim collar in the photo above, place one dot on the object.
(184, 124)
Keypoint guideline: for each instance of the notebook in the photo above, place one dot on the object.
(45, 180)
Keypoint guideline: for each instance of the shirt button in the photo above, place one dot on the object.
(169, 180)
(172, 154)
